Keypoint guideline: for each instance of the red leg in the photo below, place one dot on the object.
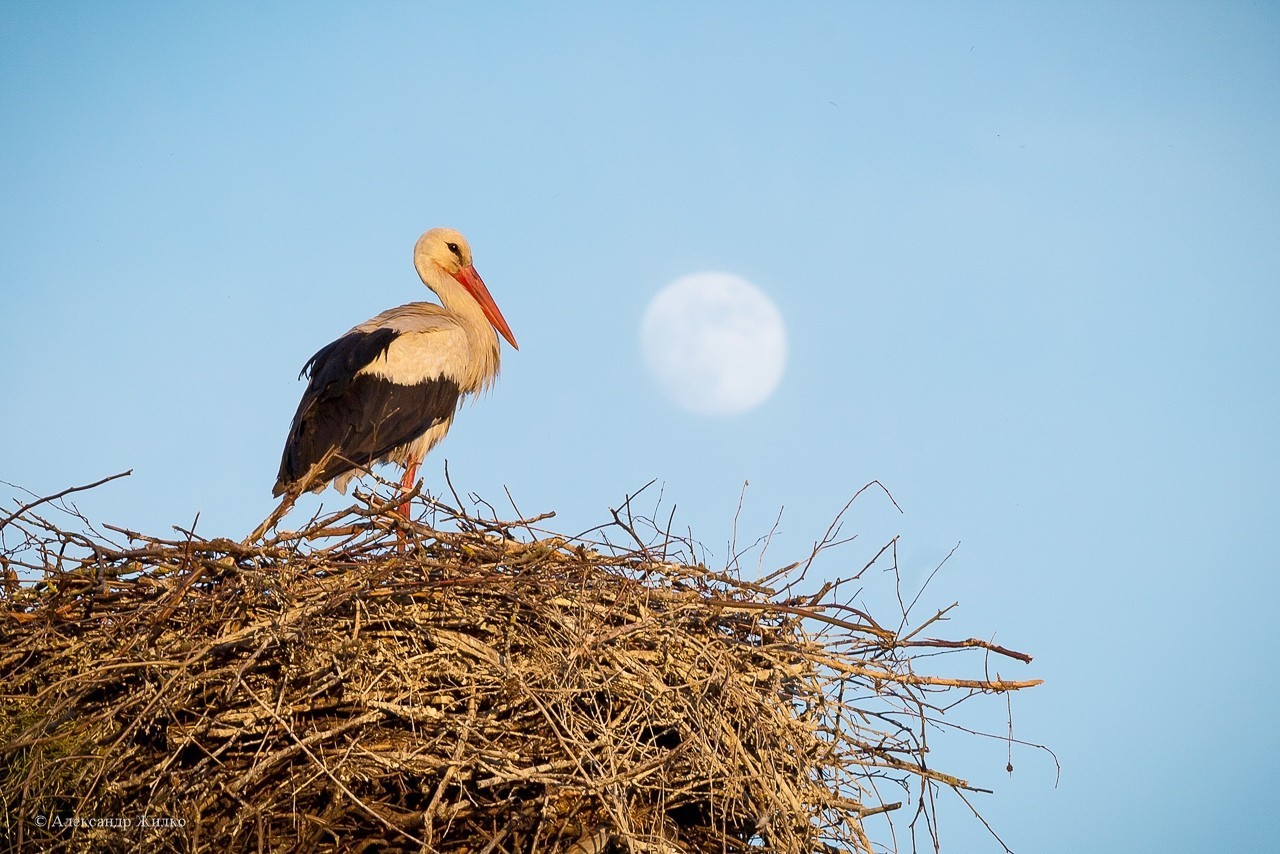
(406, 485)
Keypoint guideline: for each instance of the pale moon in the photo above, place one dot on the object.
(715, 343)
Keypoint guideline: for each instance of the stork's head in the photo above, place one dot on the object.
(443, 252)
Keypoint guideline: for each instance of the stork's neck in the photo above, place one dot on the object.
(483, 359)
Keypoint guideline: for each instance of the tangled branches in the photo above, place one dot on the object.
(371, 683)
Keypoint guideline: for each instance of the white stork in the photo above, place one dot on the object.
(386, 391)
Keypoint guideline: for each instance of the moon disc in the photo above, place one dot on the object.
(715, 343)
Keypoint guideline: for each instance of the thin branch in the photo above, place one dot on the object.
(32, 505)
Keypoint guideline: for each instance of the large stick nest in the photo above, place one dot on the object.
(369, 683)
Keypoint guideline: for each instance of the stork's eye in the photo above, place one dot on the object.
(453, 247)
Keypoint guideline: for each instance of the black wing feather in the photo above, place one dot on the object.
(359, 417)
(336, 364)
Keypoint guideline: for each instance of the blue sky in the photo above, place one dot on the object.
(1027, 255)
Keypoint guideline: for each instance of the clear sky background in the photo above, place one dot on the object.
(1028, 257)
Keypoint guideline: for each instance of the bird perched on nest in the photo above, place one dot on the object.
(386, 391)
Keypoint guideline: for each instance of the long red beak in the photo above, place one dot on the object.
(470, 279)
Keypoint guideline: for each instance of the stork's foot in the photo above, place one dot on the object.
(406, 486)
(402, 537)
